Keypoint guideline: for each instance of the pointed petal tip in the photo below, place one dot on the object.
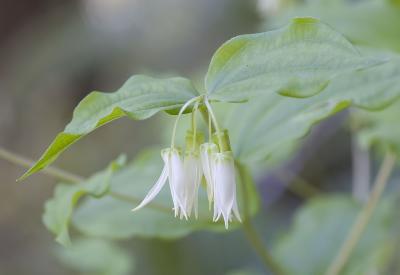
(136, 208)
(226, 225)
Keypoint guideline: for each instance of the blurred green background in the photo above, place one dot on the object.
(53, 53)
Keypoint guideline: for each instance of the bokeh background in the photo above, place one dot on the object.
(53, 53)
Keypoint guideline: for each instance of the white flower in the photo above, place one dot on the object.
(224, 187)
(206, 152)
(174, 172)
(193, 175)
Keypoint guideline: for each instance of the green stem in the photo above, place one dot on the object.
(299, 186)
(184, 107)
(215, 122)
(207, 119)
(68, 177)
(364, 217)
(251, 233)
(194, 126)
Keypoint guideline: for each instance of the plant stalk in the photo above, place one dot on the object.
(250, 232)
(68, 177)
(364, 217)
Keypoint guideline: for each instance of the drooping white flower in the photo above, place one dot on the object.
(206, 152)
(224, 187)
(193, 175)
(173, 171)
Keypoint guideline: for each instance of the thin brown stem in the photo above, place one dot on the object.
(68, 177)
(50, 171)
(363, 218)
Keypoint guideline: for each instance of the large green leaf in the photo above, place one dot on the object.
(367, 22)
(319, 229)
(58, 209)
(139, 98)
(383, 129)
(97, 257)
(298, 60)
(112, 218)
(263, 126)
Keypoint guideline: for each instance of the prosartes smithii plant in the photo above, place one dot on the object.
(216, 162)
(262, 94)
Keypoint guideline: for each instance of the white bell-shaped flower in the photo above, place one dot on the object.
(225, 187)
(206, 152)
(173, 171)
(193, 175)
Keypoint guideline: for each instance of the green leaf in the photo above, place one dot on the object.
(262, 127)
(58, 209)
(139, 98)
(298, 60)
(112, 217)
(321, 226)
(383, 129)
(368, 22)
(97, 257)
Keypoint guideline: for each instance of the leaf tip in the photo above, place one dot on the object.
(24, 176)
(305, 20)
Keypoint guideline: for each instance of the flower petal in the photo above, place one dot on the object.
(176, 182)
(155, 189)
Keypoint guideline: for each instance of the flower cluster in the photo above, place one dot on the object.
(212, 162)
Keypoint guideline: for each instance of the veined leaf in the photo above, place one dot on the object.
(298, 60)
(58, 210)
(262, 126)
(139, 98)
(95, 256)
(322, 225)
(367, 22)
(111, 217)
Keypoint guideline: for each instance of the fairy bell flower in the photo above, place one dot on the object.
(193, 172)
(173, 171)
(206, 152)
(225, 187)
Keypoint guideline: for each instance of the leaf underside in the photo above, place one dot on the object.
(262, 127)
(111, 218)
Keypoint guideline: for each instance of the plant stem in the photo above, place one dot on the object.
(251, 233)
(364, 216)
(184, 107)
(51, 171)
(361, 170)
(68, 177)
(214, 119)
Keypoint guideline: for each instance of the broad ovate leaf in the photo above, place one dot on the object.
(59, 209)
(368, 22)
(139, 98)
(298, 60)
(262, 127)
(111, 217)
(95, 256)
(321, 226)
